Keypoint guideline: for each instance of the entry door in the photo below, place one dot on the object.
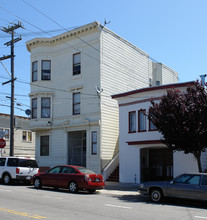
(161, 164)
(77, 148)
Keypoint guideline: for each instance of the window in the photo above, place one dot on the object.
(204, 180)
(76, 64)
(46, 69)
(34, 71)
(24, 135)
(76, 103)
(4, 133)
(34, 108)
(55, 170)
(94, 142)
(68, 170)
(132, 122)
(188, 179)
(44, 145)
(152, 127)
(2, 162)
(27, 136)
(142, 120)
(45, 107)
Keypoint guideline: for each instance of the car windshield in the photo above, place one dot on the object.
(27, 163)
(84, 170)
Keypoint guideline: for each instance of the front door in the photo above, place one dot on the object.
(156, 164)
(77, 148)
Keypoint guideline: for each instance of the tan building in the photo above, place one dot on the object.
(24, 138)
(73, 76)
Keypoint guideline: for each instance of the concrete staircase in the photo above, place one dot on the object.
(114, 177)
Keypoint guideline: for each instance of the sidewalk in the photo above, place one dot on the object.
(121, 186)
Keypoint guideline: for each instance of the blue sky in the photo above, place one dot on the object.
(173, 32)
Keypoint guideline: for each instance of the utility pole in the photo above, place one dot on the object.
(10, 30)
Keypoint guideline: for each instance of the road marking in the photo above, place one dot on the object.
(52, 197)
(117, 206)
(201, 217)
(118, 192)
(22, 213)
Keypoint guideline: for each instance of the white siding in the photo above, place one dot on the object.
(168, 75)
(123, 68)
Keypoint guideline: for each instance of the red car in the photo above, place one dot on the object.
(72, 177)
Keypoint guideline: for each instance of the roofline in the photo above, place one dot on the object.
(8, 115)
(153, 88)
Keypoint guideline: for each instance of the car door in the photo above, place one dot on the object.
(186, 186)
(203, 188)
(52, 177)
(66, 176)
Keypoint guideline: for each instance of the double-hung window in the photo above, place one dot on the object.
(152, 127)
(76, 103)
(46, 69)
(34, 71)
(132, 122)
(94, 142)
(45, 107)
(44, 145)
(76, 63)
(142, 120)
(34, 108)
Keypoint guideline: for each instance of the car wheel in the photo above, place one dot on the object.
(91, 190)
(6, 179)
(73, 187)
(156, 195)
(37, 183)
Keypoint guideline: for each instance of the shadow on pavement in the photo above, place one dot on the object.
(166, 202)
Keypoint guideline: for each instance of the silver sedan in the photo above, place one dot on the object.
(187, 186)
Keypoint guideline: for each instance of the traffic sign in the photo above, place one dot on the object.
(2, 143)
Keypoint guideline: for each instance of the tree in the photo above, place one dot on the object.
(181, 117)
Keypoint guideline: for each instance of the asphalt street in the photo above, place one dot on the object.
(24, 202)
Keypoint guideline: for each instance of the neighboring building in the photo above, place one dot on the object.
(24, 138)
(73, 76)
(142, 155)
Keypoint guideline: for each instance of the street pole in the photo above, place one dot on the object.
(10, 30)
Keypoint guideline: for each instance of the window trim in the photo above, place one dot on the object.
(129, 131)
(34, 71)
(42, 78)
(139, 122)
(75, 104)
(76, 64)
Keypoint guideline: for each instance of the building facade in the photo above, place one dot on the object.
(73, 76)
(142, 155)
(24, 138)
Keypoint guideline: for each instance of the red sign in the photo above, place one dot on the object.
(2, 143)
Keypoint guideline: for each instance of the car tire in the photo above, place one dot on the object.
(37, 183)
(91, 191)
(6, 179)
(73, 187)
(156, 195)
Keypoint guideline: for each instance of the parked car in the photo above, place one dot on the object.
(17, 168)
(72, 177)
(188, 186)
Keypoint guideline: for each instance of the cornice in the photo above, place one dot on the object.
(62, 37)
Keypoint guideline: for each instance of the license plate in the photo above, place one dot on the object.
(97, 179)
